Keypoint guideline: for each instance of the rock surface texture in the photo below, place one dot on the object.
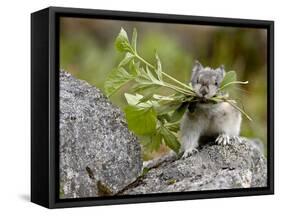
(99, 156)
(213, 167)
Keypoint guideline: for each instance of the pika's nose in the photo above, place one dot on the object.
(204, 91)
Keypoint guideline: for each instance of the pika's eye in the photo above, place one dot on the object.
(197, 80)
(216, 83)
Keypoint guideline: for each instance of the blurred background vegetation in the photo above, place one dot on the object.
(87, 51)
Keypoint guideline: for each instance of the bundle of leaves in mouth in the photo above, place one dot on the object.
(153, 117)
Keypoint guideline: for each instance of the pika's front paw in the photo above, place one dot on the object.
(188, 153)
(224, 139)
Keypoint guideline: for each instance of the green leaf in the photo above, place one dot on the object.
(229, 80)
(146, 97)
(145, 170)
(178, 113)
(122, 43)
(137, 100)
(156, 141)
(170, 139)
(134, 67)
(133, 100)
(159, 67)
(142, 121)
(150, 76)
(175, 127)
(164, 118)
(116, 79)
(229, 77)
(134, 39)
(144, 88)
(164, 98)
(152, 142)
(167, 106)
(128, 57)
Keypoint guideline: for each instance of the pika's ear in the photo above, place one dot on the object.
(221, 70)
(196, 68)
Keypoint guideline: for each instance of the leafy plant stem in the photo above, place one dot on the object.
(178, 82)
(183, 91)
(234, 82)
(167, 75)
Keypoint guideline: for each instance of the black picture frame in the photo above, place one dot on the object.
(45, 108)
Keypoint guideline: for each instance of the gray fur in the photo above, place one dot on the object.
(219, 120)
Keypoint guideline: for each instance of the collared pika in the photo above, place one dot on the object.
(205, 119)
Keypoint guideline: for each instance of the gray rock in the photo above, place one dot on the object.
(213, 167)
(98, 154)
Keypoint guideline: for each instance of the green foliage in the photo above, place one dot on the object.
(145, 121)
(145, 171)
(229, 80)
(152, 116)
(116, 79)
(170, 139)
(141, 120)
(122, 43)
